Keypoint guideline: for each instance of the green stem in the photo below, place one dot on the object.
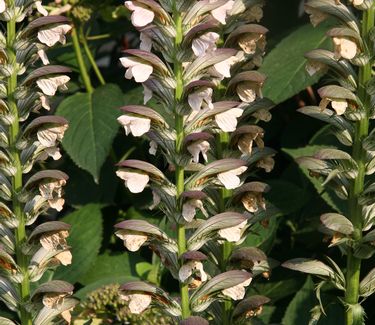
(180, 173)
(20, 232)
(81, 63)
(222, 141)
(357, 185)
(90, 56)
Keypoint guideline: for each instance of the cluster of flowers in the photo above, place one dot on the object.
(201, 84)
(26, 140)
(347, 106)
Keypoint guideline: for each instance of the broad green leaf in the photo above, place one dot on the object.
(298, 311)
(284, 66)
(85, 239)
(109, 266)
(92, 126)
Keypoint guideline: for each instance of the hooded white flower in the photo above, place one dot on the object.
(247, 91)
(147, 94)
(135, 182)
(132, 242)
(190, 268)
(205, 43)
(221, 13)
(137, 302)
(227, 121)
(245, 142)
(51, 136)
(54, 34)
(197, 148)
(201, 99)
(339, 105)
(40, 8)
(252, 201)
(55, 240)
(223, 67)
(135, 68)
(345, 48)
(43, 56)
(137, 126)
(251, 41)
(52, 192)
(141, 15)
(146, 42)
(230, 178)
(237, 292)
(54, 300)
(3, 6)
(188, 209)
(53, 152)
(232, 234)
(49, 86)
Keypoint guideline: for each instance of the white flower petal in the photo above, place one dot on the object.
(232, 234)
(137, 126)
(3, 6)
(49, 86)
(237, 292)
(43, 56)
(220, 14)
(187, 270)
(131, 241)
(156, 199)
(197, 148)
(223, 67)
(230, 178)
(206, 43)
(65, 257)
(53, 35)
(135, 182)
(139, 303)
(340, 106)
(40, 8)
(153, 148)
(227, 121)
(345, 48)
(141, 16)
(188, 209)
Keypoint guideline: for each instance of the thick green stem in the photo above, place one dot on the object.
(20, 232)
(81, 63)
(180, 173)
(222, 141)
(90, 56)
(357, 185)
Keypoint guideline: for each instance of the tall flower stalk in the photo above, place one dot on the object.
(348, 106)
(26, 140)
(202, 88)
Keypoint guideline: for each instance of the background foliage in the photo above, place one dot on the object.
(94, 143)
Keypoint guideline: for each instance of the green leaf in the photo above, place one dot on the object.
(111, 266)
(285, 64)
(85, 239)
(92, 126)
(298, 311)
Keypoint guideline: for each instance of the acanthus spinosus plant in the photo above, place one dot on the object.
(348, 106)
(203, 90)
(26, 139)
